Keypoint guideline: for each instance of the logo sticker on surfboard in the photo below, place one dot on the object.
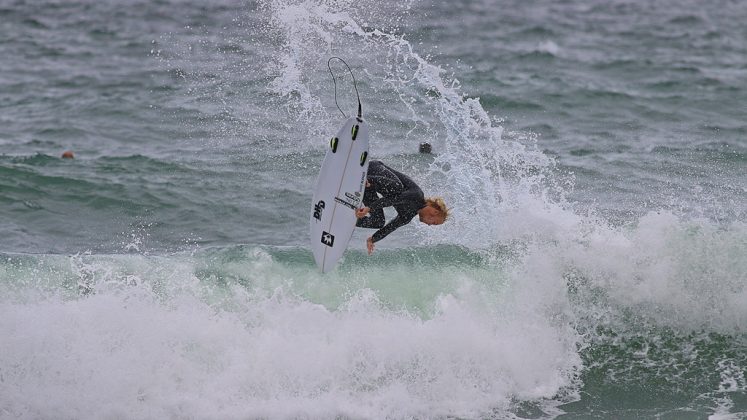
(351, 200)
(328, 239)
(318, 209)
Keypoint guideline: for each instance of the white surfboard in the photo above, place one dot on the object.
(339, 192)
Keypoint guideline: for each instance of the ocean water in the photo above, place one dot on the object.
(594, 154)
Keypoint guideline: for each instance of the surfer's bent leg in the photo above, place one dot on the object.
(375, 219)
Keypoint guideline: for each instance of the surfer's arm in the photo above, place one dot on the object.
(389, 228)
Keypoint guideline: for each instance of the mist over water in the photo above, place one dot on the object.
(593, 156)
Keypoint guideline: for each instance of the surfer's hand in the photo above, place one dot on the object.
(370, 245)
(362, 212)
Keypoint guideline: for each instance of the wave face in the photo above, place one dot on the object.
(593, 155)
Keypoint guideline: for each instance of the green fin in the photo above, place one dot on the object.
(333, 144)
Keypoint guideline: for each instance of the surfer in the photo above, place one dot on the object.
(399, 191)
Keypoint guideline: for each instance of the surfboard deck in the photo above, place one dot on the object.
(338, 193)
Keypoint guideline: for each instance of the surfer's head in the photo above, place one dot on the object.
(435, 211)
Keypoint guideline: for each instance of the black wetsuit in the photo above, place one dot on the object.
(397, 190)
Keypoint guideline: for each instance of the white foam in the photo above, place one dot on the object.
(151, 345)
(683, 274)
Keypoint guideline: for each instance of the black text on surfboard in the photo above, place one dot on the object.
(345, 203)
(355, 197)
(328, 238)
(318, 209)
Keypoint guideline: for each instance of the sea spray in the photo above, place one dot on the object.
(481, 173)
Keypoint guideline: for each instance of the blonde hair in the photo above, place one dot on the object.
(438, 204)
